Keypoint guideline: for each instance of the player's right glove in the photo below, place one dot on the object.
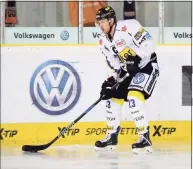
(106, 90)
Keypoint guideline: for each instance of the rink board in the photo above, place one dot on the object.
(20, 64)
(25, 122)
(88, 132)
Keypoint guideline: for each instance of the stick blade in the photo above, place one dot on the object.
(34, 148)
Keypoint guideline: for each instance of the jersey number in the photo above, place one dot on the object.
(131, 103)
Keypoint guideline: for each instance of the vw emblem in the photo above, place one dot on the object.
(55, 87)
(64, 35)
(139, 78)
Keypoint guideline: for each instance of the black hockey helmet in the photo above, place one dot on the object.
(105, 13)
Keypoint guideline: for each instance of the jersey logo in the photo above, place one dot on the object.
(139, 33)
(124, 28)
(125, 53)
(120, 42)
(147, 36)
(139, 78)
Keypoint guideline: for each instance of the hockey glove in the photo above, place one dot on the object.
(132, 65)
(106, 91)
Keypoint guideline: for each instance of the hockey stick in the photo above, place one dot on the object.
(35, 148)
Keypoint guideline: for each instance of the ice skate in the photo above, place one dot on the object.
(143, 145)
(109, 143)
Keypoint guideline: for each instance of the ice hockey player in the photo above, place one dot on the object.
(128, 47)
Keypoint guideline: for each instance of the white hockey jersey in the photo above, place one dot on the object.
(130, 38)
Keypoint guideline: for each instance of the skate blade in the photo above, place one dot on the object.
(145, 150)
(107, 148)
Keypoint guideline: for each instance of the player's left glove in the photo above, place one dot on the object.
(132, 65)
(106, 91)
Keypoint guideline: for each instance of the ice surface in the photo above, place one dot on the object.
(84, 157)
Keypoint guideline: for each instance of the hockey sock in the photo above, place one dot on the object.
(136, 102)
(113, 114)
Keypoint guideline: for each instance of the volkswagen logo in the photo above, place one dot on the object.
(55, 87)
(139, 78)
(64, 35)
